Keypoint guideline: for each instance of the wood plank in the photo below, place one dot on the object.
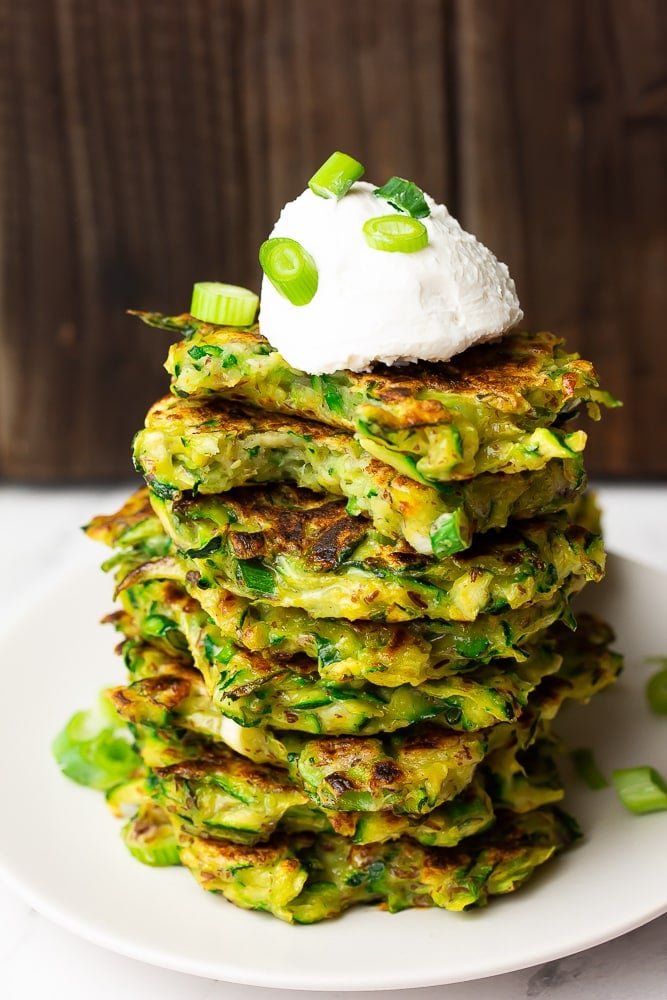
(563, 156)
(148, 145)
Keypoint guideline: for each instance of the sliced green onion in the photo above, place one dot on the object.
(640, 789)
(451, 534)
(404, 196)
(225, 305)
(124, 798)
(159, 857)
(336, 176)
(656, 692)
(157, 625)
(150, 838)
(257, 577)
(587, 769)
(95, 749)
(205, 550)
(290, 269)
(395, 233)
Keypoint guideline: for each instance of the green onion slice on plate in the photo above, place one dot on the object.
(640, 789)
(336, 176)
(404, 196)
(224, 305)
(95, 748)
(395, 233)
(290, 269)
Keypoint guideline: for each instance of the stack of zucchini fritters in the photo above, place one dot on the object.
(345, 602)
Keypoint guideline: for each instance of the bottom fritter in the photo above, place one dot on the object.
(311, 878)
(308, 877)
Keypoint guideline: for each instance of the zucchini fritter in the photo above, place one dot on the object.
(214, 792)
(267, 544)
(384, 653)
(269, 688)
(412, 770)
(211, 447)
(309, 877)
(452, 420)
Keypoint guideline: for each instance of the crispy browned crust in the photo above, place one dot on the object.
(291, 521)
(503, 371)
(200, 415)
(224, 852)
(217, 759)
(166, 691)
(496, 374)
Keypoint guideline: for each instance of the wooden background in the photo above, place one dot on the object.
(146, 144)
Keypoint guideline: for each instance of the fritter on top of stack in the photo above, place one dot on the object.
(345, 602)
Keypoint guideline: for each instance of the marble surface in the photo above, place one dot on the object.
(38, 958)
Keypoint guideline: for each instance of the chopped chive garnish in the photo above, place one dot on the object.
(656, 692)
(587, 769)
(225, 305)
(404, 196)
(336, 176)
(290, 269)
(640, 789)
(395, 233)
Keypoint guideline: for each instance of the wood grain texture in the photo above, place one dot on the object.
(146, 145)
(563, 145)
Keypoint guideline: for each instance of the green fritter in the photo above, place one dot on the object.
(303, 877)
(256, 688)
(133, 528)
(387, 654)
(311, 877)
(266, 544)
(452, 420)
(413, 770)
(215, 792)
(224, 795)
(211, 447)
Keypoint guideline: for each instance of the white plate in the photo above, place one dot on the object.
(59, 846)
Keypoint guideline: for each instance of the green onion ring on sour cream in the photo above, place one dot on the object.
(390, 307)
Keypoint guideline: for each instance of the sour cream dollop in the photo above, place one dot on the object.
(372, 305)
